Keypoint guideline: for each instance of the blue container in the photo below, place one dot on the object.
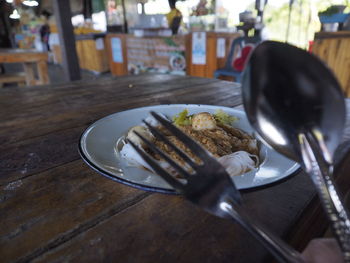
(336, 18)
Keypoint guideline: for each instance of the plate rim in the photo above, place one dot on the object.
(155, 188)
(118, 179)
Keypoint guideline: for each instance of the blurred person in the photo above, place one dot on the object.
(45, 30)
(174, 17)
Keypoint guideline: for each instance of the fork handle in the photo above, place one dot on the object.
(277, 247)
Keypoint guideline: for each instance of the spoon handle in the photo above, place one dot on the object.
(321, 174)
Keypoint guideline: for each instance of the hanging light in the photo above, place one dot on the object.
(9, 1)
(30, 3)
(15, 14)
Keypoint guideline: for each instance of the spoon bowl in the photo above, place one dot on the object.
(286, 91)
(296, 105)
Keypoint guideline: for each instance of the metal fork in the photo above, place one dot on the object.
(209, 186)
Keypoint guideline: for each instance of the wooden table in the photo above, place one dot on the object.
(28, 58)
(54, 208)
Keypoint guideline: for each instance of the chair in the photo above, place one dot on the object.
(228, 69)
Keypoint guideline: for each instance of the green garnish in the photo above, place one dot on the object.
(182, 119)
(224, 118)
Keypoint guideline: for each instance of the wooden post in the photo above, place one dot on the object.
(126, 29)
(67, 39)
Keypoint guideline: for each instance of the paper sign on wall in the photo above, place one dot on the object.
(99, 44)
(117, 51)
(199, 48)
(220, 47)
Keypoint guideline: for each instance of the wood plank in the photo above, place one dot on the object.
(27, 120)
(211, 63)
(19, 56)
(335, 53)
(48, 94)
(77, 199)
(19, 78)
(35, 98)
(217, 240)
(43, 73)
(28, 127)
(29, 71)
(338, 34)
(89, 57)
(82, 97)
(24, 159)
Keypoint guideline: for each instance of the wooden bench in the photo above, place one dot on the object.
(19, 78)
(29, 59)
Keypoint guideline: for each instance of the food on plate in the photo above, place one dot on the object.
(236, 150)
(143, 130)
(202, 121)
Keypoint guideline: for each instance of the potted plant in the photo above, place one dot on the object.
(333, 14)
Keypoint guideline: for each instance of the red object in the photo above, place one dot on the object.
(239, 62)
(311, 43)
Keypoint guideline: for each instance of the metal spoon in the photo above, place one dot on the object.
(297, 107)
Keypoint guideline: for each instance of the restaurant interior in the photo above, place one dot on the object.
(175, 131)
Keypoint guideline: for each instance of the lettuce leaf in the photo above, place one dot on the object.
(224, 118)
(182, 118)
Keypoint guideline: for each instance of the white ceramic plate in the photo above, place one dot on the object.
(97, 148)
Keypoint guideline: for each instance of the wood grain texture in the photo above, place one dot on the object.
(335, 52)
(43, 73)
(21, 55)
(19, 78)
(47, 209)
(91, 58)
(29, 72)
(53, 208)
(216, 240)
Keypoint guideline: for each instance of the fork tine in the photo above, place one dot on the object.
(166, 140)
(163, 155)
(192, 145)
(158, 169)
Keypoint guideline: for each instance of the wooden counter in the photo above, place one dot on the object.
(130, 54)
(334, 49)
(91, 51)
(213, 61)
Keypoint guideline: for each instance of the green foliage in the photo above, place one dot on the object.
(304, 20)
(330, 11)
